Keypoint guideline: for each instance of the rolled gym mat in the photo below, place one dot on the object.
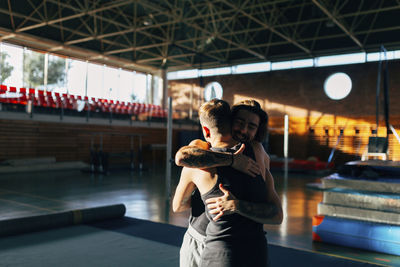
(60, 219)
(357, 234)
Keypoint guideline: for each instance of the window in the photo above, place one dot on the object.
(140, 87)
(95, 80)
(337, 86)
(11, 65)
(126, 86)
(56, 74)
(33, 69)
(77, 78)
(212, 90)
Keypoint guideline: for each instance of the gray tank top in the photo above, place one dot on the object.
(198, 219)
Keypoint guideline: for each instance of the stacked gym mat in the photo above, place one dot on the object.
(361, 207)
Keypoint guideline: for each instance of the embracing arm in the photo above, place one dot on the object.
(183, 192)
(198, 155)
(269, 212)
(260, 151)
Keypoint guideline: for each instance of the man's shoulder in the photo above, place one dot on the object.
(200, 144)
(258, 148)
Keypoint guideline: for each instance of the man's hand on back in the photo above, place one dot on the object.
(245, 164)
(223, 205)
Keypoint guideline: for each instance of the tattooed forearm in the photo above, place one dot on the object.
(260, 212)
(193, 157)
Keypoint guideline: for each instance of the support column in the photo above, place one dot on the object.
(164, 102)
(169, 152)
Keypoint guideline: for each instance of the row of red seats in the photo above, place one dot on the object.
(48, 99)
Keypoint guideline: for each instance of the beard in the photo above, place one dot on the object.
(240, 137)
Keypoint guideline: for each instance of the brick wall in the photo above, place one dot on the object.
(21, 139)
(299, 93)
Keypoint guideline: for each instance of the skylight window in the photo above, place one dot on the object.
(302, 63)
(381, 56)
(215, 71)
(251, 68)
(354, 58)
(283, 65)
(397, 54)
(187, 74)
(340, 60)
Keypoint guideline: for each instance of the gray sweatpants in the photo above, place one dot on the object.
(192, 248)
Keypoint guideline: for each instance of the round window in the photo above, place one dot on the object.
(337, 86)
(212, 90)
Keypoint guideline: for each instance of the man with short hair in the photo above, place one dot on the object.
(245, 127)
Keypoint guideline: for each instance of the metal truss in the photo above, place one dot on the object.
(149, 35)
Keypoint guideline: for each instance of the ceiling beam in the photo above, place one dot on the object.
(77, 15)
(195, 26)
(269, 27)
(338, 23)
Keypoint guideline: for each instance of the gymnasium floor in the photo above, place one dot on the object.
(143, 193)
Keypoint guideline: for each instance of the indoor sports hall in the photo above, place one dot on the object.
(97, 97)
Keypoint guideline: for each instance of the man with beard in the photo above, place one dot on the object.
(249, 124)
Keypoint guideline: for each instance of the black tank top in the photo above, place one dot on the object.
(255, 192)
(234, 226)
(233, 240)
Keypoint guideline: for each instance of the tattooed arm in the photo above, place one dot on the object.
(268, 212)
(198, 155)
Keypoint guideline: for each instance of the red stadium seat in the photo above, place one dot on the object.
(65, 100)
(123, 108)
(3, 90)
(111, 106)
(129, 108)
(58, 100)
(41, 99)
(93, 103)
(117, 107)
(13, 99)
(23, 98)
(135, 109)
(32, 97)
(71, 102)
(87, 104)
(103, 105)
(50, 100)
